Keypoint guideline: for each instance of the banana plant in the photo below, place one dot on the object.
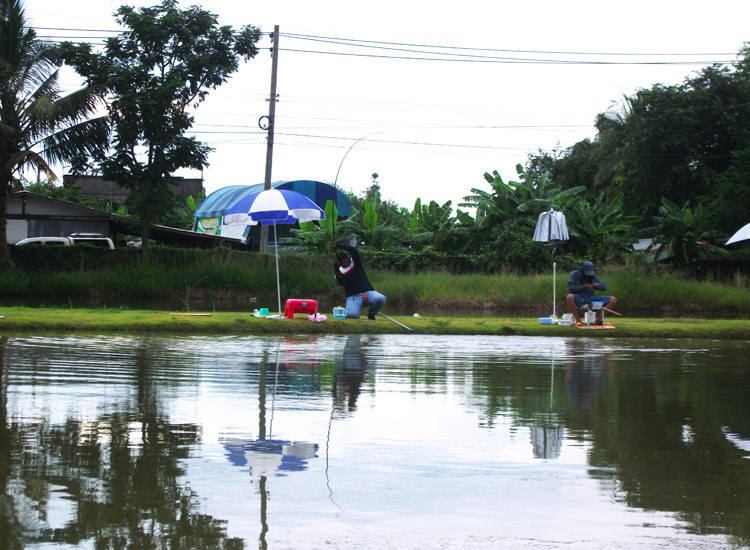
(370, 219)
(414, 224)
(320, 236)
(601, 230)
(518, 201)
(677, 231)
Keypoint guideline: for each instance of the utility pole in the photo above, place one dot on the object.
(271, 123)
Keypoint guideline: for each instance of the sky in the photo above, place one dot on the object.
(502, 80)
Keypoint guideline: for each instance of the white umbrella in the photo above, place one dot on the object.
(741, 238)
(551, 228)
(274, 206)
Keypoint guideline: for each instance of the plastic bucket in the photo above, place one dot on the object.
(339, 313)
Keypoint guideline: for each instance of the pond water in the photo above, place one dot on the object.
(360, 442)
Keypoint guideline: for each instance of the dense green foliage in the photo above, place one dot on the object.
(666, 149)
(669, 164)
(166, 61)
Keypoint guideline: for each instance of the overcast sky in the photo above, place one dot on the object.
(487, 96)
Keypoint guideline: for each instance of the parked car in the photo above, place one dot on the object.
(48, 241)
(95, 239)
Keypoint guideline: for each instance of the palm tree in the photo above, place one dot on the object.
(611, 132)
(38, 126)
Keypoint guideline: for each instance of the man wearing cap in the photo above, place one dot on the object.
(582, 284)
(350, 273)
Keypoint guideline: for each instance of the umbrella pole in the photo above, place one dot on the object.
(276, 255)
(554, 275)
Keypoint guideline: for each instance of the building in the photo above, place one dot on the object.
(97, 188)
(32, 215)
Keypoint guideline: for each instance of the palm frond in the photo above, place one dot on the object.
(32, 160)
(87, 137)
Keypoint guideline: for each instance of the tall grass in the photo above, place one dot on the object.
(216, 273)
(636, 289)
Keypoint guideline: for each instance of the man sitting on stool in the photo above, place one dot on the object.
(582, 284)
(350, 273)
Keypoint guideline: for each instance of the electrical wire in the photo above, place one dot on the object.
(358, 41)
(455, 54)
(479, 59)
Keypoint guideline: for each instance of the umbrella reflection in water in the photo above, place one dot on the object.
(264, 455)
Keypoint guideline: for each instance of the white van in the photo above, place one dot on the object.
(96, 239)
(49, 241)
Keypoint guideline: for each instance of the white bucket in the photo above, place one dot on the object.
(589, 317)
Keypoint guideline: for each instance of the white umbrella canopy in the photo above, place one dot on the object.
(551, 228)
(274, 206)
(741, 238)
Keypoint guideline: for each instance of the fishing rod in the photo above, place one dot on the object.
(335, 181)
(394, 320)
(607, 309)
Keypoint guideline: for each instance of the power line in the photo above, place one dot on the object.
(371, 43)
(454, 57)
(360, 42)
(396, 142)
(479, 59)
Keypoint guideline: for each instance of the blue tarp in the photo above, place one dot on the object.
(217, 203)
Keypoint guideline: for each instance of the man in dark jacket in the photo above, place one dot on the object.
(350, 273)
(582, 284)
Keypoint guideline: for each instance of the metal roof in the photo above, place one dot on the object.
(217, 203)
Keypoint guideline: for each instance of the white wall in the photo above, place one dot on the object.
(17, 230)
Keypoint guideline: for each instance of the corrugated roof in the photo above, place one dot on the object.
(217, 203)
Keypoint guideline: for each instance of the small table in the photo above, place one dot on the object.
(294, 305)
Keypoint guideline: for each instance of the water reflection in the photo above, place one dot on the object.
(266, 456)
(350, 369)
(587, 367)
(116, 469)
(331, 441)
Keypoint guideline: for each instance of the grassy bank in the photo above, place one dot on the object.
(226, 280)
(24, 320)
(652, 292)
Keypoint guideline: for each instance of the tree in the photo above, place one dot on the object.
(730, 200)
(572, 167)
(610, 126)
(38, 126)
(677, 230)
(164, 64)
(71, 194)
(679, 139)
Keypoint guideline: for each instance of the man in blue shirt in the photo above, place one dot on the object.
(582, 284)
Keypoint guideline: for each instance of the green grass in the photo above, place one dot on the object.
(656, 292)
(231, 277)
(24, 320)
